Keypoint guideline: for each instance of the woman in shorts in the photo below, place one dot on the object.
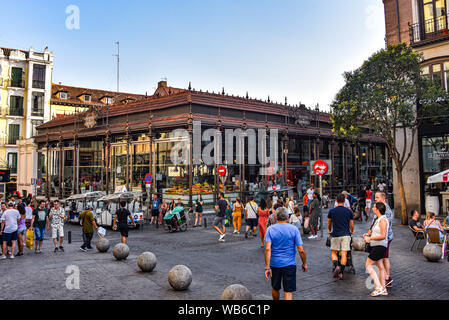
(378, 240)
(21, 229)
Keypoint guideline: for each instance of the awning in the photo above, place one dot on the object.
(439, 177)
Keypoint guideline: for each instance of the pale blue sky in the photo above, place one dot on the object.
(293, 48)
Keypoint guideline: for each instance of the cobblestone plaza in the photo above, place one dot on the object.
(214, 266)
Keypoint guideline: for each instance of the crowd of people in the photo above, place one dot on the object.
(278, 220)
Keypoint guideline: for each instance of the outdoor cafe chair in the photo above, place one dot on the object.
(418, 236)
(433, 236)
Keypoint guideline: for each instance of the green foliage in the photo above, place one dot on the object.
(386, 93)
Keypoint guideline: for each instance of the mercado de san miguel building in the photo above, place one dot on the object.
(108, 147)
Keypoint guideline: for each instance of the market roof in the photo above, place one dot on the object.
(165, 97)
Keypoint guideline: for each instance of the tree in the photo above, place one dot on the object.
(388, 95)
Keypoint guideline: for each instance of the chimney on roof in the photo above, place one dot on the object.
(162, 84)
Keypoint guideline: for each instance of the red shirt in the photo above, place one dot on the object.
(368, 194)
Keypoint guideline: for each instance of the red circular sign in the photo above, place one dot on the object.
(221, 171)
(274, 187)
(319, 167)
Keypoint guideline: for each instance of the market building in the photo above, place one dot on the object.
(25, 90)
(423, 24)
(108, 148)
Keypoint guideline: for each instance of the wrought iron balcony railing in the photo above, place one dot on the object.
(429, 31)
(12, 140)
(37, 112)
(15, 111)
(38, 84)
(16, 83)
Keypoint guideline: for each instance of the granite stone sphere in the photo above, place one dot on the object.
(358, 243)
(103, 245)
(120, 251)
(180, 277)
(432, 252)
(236, 292)
(146, 261)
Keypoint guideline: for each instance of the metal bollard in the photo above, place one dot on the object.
(205, 222)
(69, 236)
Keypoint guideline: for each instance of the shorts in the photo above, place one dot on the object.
(218, 221)
(7, 237)
(123, 231)
(28, 223)
(284, 275)
(40, 233)
(341, 243)
(57, 229)
(368, 204)
(21, 231)
(377, 253)
(252, 223)
(387, 252)
(154, 212)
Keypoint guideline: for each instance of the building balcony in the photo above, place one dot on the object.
(11, 83)
(12, 140)
(37, 112)
(16, 112)
(37, 84)
(429, 31)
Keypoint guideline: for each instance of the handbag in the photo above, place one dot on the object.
(368, 247)
(328, 241)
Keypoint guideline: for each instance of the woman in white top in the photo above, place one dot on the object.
(290, 205)
(377, 238)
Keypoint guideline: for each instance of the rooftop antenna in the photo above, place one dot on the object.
(118, 65)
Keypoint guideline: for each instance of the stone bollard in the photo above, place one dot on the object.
(236, 292)
(358, 244)
(432, 252)
(103, 245)
(147, 261)
(180, 277)
(120, 251)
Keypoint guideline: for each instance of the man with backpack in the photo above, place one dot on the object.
(221, 207)
(251, 216)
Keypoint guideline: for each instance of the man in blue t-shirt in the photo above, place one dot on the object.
(282, 241)
(154, 209)
(341, 226)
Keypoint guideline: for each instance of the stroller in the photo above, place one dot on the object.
(175, 220)
(349, 263)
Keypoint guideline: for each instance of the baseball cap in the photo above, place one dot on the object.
(11, 204)
(345, 192)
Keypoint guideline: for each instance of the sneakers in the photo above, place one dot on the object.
(2, 257)
(56, 250)
(388, 282)
(36, 251)
(311, 237)
(61, 248)
(89, 248)
(221, 237)
(235, 231)
(11, 256)
(19, 254)
(82, 249)
(384, 292)
(246, 235)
